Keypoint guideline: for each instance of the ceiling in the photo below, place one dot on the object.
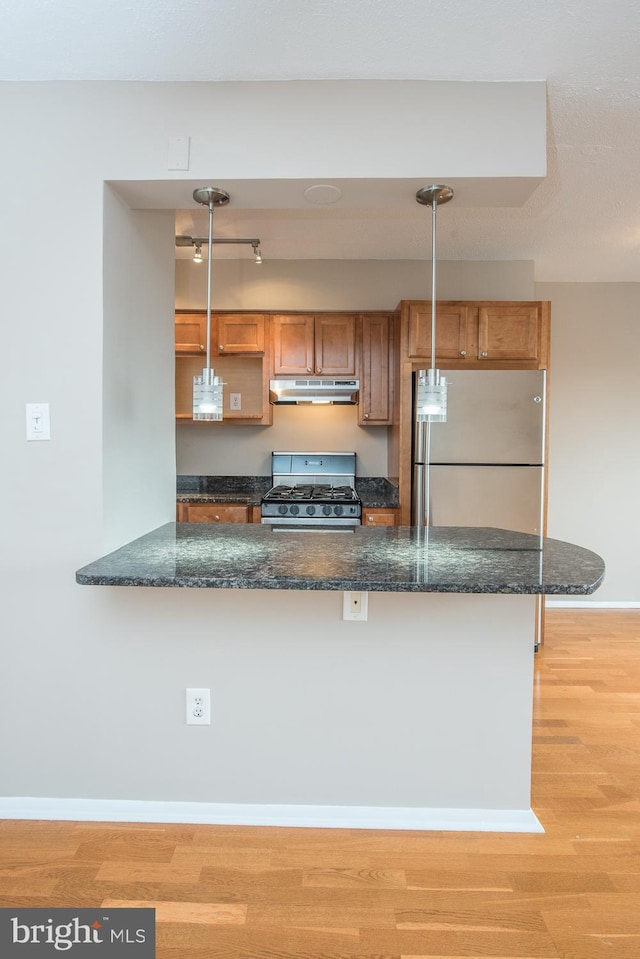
(581, 224)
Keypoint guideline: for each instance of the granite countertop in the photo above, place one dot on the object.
(249, 490)
(384, 559)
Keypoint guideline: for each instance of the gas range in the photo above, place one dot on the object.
(312, 490)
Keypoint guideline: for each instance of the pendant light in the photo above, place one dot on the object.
(207, 389)
(432, 387)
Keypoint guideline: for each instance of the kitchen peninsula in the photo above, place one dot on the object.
(389, 559)
(419, 718)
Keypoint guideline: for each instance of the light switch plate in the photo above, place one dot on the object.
(38, 422)
(178, 158)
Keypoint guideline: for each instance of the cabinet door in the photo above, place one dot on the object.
(509, 332)
(380, 517)
(335, 344)
(214, 513)
(292, 345)
(376, 399)
(240, 333)
(452, 331)
(191, 333)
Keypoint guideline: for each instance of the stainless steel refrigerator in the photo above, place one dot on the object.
(486, 462)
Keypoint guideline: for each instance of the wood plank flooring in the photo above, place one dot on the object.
(259, 893)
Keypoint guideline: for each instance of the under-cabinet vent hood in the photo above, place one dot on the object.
(313, 391)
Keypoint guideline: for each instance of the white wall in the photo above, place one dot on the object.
(594, 435)
(88, 654)
(239, 284)
(138, 404)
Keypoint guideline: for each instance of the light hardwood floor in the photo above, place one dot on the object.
(258, 893)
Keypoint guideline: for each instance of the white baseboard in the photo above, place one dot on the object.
(583, 604)
(231, 814)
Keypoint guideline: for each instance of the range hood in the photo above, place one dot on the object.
(315, 391)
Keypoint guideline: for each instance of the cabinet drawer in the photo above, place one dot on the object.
(213, 513)
(380, 517)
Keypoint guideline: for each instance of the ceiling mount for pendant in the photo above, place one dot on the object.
(211, 194)
(440, 193)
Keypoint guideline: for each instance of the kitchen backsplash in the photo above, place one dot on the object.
(222, 449)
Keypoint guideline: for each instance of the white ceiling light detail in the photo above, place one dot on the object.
(323, 194)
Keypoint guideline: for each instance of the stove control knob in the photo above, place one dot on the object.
(295, 509)
(339, 510)
(310, 510)
(282, 509)
(326, 510)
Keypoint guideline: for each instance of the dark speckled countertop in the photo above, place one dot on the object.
(384, 559)
(373, 490)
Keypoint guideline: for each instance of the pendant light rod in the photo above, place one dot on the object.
(210, 196)
(434, 209)
(431, 196)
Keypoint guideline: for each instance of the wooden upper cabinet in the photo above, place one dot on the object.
(240, 333)
(191, 333)
(509, 332)
(335, 344)
(293, 348)
(230, 333)
(452, 331)
(376, 369)
(506, 335)
(314, 344)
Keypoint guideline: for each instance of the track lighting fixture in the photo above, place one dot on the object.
(198, 242)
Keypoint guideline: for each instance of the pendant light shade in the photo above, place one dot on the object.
(208, 396)
(208, 388)
(432, 397)
(432, 386)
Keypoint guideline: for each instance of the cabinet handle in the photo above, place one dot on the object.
(309, 370)
(216, 516)
(483, 354)
(463, 352)
(366, 416)
(318, 369)
(370, 519)
(202, 347)
(221, 347)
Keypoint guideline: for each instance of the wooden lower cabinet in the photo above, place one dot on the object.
(380, 516)
(213, 513)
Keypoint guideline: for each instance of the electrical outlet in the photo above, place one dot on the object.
(235, 401)
(198, 702)
(354, 605)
